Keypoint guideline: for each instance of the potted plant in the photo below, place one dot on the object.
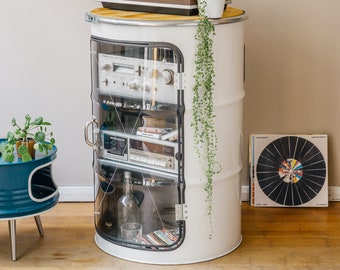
(205, 138)
(213, 9)
(32, 135)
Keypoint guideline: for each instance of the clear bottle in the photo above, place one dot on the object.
(127, 208)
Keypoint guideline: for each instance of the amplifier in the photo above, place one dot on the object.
(138, 150)
(137, 78)
(177, 7)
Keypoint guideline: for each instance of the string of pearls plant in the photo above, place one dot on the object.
(205, 138)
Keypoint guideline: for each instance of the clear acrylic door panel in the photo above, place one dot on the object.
(138, 108)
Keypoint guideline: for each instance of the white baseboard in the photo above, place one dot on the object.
(76, 194)
(86, 193)
(334, 193)
(245, 193)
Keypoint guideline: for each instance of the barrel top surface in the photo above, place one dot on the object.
(106, 15)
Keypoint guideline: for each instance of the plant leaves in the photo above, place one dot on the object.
(22, 149)
(8, 157)
(38, 121)
(39, 136)
(26, 157)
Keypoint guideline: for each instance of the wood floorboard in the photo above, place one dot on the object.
(273, 238)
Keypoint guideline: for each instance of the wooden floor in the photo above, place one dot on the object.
(273, 238)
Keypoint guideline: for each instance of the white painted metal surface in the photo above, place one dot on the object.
(228, 95)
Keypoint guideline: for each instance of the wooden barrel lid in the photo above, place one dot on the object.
(107, 15)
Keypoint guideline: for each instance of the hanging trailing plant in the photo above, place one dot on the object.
(205, 138)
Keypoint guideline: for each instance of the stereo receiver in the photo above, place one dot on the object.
(140, 150)
(137, 78)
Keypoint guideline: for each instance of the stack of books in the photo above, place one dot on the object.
(165, 134)
(160, 238)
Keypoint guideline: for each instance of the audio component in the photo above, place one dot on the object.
(137, 78)
(138, 150)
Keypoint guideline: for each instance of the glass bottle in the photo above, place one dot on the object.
(127, 208)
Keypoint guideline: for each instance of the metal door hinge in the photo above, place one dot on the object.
(179, 80)
(89, 17)
(181, 211)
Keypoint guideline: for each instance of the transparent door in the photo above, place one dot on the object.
(138, 110)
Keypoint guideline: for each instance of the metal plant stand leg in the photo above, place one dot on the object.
(39, 225)
(12, 234)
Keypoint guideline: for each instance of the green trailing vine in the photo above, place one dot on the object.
(205, 138)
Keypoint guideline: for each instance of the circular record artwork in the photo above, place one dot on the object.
(291, 170)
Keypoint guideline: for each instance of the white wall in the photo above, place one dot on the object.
(293, 71)
(45, 70)
(292, 75)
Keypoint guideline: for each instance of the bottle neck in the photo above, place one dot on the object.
(127, 188)
(127, 182)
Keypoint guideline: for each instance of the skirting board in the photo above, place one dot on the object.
(86, 193)
(76, 194)
(244, 193)
(333, 193)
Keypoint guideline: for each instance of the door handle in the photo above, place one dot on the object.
(95, 131)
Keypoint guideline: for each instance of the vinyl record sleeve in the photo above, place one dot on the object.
(288, 170)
